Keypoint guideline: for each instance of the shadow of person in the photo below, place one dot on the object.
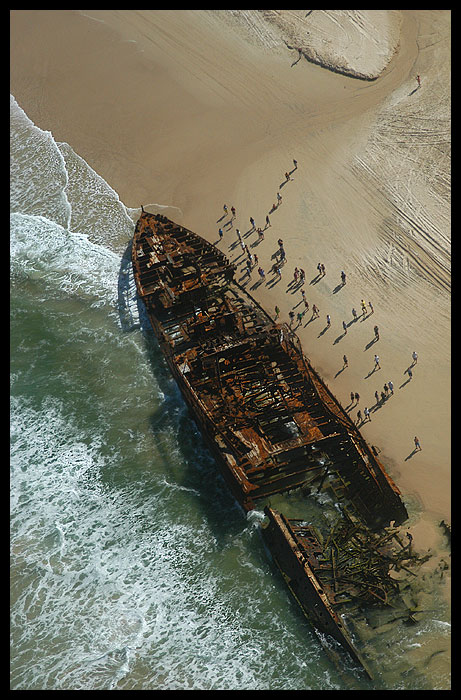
(411, 454)
(337, 288)
(368, 346)
(338, 338)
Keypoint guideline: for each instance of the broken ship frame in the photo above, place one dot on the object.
(272, 425)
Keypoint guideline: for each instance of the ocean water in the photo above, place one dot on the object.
(132, 568)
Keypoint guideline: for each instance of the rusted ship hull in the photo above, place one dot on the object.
(267, 417)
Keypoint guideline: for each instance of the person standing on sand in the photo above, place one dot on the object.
(417, 444)
(415, 357)
(376, 330)
(418, 80)
(343, 277)
(354, 314)
(377, 365)
(277, 312)
(315, 311)
(391, 386)
(233, 211)
(367, 413)
(225, 208)
(359, 416)
(364, 308)
(345, 326)
(221, 234)
(302, 275)
(252, 222)
(268, 221)
(371, 307)
(328, 320)
(260, 234)
(279, 198)
(352, 397)
(295, 162)
(346, 363)
(357, 397)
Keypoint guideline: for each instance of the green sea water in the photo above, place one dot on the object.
(132, 568)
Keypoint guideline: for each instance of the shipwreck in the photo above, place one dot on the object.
(273, 426)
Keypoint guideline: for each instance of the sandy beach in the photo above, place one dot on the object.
(191, 109)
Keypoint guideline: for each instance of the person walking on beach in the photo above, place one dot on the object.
(359, 416)
(279, 198)
(343, 277)
(328, 320)
(377, 396)
(252, 222)
(410, 373)
(376, 330)
(354, 314)
(295, 274)
(315, 311)
(295, 162)
(256, 259)
(391, 386)
(371, 307)
(302, 275)
(319, 268)
(299, 317)
(221, 234)
(346, 363)
(279, 272)
(239, 236)
(417, 444)
(277, 312)
(225, 208)
(418, 80)
(262, 274)
(233, 211)
(291, 315)
(364, 308)
(260, 234)
(367, 413)
(306, 304)
(345, 327)
(415, 357)
(268, 221)
(357, 397)
(323, 270)
(352, 397)
(377, 365)
(287, 176)
(386, 389)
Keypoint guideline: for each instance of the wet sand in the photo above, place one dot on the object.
(194, 109)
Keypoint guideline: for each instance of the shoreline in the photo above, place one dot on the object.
(236, 151)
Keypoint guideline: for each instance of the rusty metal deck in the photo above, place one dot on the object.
(269, 419)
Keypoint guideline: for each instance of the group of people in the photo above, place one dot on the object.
(299, 277)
